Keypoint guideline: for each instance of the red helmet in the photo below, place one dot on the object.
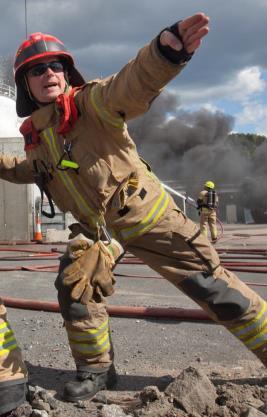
(40, 45)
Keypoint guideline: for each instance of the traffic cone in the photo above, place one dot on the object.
(38, 233)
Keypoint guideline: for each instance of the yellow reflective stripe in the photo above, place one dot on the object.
(7, 340)
(154, 214)
(91, 349)
(255, 324)
(4, 326)
(6, 351)
(4, 335)
(95, 339)
(9, 344)
(97, 102)
(67, 181)
(248, 333)
(257, 341)
(90, 334)
(104, 324)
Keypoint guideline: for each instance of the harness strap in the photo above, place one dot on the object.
(41, 180)
(30, 134)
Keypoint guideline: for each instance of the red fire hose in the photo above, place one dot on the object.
(116, 311)
(126, 311)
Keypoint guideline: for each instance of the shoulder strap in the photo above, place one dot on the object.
(41, 179)
(30, 134)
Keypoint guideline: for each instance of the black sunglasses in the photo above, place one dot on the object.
(40, 69)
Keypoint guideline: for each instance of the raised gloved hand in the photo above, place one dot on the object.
(90, 275)
(187, 33)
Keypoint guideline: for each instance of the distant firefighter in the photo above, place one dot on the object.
(207, 204)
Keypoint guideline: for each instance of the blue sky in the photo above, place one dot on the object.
(228, 73)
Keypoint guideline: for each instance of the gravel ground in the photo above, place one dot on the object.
(147, 351)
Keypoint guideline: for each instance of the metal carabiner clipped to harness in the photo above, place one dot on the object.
(65, 162)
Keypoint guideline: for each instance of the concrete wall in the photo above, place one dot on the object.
(16, 202)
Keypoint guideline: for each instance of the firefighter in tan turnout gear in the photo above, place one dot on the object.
(207, 204)
(79, 152)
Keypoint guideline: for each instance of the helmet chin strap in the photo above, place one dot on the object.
(67, 83)
(26, 85)
(40, 103)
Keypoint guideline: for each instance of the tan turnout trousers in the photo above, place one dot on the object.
(208, 221)
(177, 250)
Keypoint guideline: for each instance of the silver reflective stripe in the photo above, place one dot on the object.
(7, 339)
(251, 327)
(90, 334)
(87, 349)
(8, 344)
(253, 333)
(257, 323)
(257, 341)
(4, 327)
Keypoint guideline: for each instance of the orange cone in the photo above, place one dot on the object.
(38, 233)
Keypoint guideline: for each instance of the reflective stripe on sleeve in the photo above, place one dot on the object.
(254, 333)
(152, 217)
(97, 103)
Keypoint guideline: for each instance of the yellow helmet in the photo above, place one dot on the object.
(209, 184)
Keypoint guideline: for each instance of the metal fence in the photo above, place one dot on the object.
(7, 91)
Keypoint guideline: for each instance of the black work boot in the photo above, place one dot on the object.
(88, 383)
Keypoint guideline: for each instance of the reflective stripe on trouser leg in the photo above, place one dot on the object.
(11, 364)
(177, 250)
(87, 327)
(89, 339)
(253, 332)
(13, 373)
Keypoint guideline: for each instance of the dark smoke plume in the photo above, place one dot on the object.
(192, 147)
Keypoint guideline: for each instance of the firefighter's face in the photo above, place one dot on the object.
(46, 79)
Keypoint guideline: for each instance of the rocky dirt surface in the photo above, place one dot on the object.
(194, 393)
(166, 368)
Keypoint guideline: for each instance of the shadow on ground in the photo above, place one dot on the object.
(53, 379)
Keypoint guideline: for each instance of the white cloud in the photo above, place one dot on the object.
(248, 82)
(245, 84)
(254, 113)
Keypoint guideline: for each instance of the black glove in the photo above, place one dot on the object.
(176, 57)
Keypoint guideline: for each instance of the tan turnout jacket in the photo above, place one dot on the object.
(113, 185)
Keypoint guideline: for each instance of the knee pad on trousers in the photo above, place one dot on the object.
(70, 310)
(12, 394)
(225, 302)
